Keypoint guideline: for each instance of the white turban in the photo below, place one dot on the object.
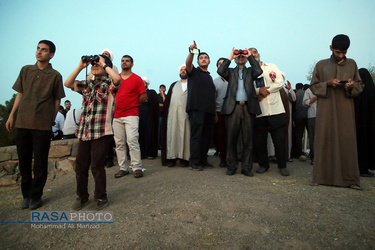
(145, 79)
(179, 68)
(110, 53)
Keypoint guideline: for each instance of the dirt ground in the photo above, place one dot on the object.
(176, 208)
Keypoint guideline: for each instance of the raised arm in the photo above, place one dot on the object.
(223, 69)
(115, 76)
(256, 69)
(189, 59)
(69, 82)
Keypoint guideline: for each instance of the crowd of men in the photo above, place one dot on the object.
(250, 111)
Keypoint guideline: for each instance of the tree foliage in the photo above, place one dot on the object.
(371, 69)
(310, 72)
(7, 138)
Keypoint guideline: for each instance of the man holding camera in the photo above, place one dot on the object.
(39, 90)
(200, 107)
(241, 106)
(95, 128)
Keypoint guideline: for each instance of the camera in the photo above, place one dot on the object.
(240, 52)
(90, 59)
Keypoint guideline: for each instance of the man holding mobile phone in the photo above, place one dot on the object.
(336, 160)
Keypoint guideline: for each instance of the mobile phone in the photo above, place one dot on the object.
(194, 51)
(343, 81)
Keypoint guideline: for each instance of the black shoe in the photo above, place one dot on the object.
(247, 172)
(184, 163)
(109, 163)
(261, 170)
(171, 164)
(207, 165)
(223, 164)
(196, 167)
(79, 204)
(231, 172)
(284, 171)
(25, 203)
(102, 204)
(34, 204)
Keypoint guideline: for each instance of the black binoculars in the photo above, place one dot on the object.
(90, 59)
(240, 52)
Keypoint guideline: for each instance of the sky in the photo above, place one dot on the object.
(291, 34)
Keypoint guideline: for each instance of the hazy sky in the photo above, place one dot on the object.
(291, 34)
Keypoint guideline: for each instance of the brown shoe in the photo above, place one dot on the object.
(121, 173)
(138, 173)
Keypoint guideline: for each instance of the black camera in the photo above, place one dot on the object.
(90, 59)
(240, 52)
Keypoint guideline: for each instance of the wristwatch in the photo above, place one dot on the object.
(105, 66)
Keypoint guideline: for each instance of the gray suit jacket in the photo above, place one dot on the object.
(249, 75)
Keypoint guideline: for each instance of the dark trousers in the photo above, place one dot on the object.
(31, 142)
(301, 125)
(201, 128)
(111, 146)
(275, 125)
(92, 153)
(240, 126)
(311, 136)
(220, 136)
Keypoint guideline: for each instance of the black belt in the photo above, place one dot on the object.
(241, 102)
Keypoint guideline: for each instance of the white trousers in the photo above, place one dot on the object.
(126, 131)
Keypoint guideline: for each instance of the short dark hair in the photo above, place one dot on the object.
(107, 60)
(299, 86)
(306, 86)
(66, 101)
(341, 42)
(131, 58)
(221, 58)
(161, 85)
(51, 45)
(203, 53)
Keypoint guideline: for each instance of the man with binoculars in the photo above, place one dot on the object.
(241, 106)
(95, 126)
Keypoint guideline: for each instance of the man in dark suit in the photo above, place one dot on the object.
(241, 106)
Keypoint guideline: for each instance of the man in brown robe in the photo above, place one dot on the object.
(335, 82)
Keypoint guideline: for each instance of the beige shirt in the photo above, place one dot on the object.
(272, 104)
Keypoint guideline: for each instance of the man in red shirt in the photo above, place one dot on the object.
(131, 94)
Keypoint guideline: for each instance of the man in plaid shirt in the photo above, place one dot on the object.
(95, 127)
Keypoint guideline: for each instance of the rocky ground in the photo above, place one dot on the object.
(176, 208)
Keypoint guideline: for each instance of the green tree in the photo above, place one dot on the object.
(7, 138)
(310, 71)
(371, 69)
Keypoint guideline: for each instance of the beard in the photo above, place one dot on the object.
(126, 67)
(184, 76)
